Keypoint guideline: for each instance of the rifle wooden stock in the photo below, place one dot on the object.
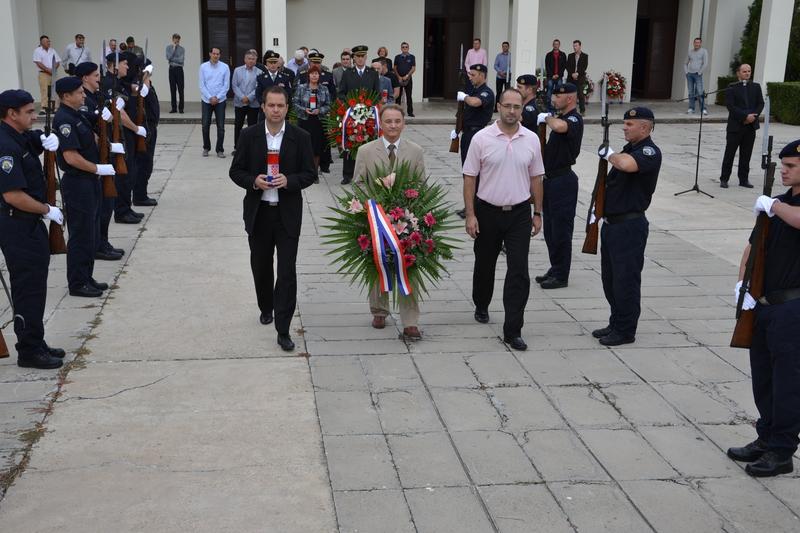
(141, 144)
(542, 132)
(598, 206)
(3, 347)
(109, 188)
(116, 133)
(455, 143)
(56, 234)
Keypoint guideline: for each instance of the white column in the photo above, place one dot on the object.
(496, 22)
(524, 35)
(773, 45)
(10, 69)
(273, 26)
(689, 16)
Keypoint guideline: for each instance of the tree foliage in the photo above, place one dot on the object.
(749, 42)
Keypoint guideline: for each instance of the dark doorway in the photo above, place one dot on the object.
(654, 48)
(233, 26)
(448, 25)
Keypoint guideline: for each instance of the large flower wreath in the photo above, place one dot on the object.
(616, 85)
(353, 122)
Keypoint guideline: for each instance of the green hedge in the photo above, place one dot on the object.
(785, 101)
(722, 83)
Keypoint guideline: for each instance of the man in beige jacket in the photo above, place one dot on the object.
(386, 153)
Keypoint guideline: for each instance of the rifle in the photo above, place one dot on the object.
(109, 188)
(3, 347)
(116, 121)
(454, 143)
(56, 234)
(597, 204)
(141, 144)
(753, 281)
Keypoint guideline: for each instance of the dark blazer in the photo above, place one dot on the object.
(296, 163)
(550, 64)
(741, 101)
(580, 68)
(351, 80)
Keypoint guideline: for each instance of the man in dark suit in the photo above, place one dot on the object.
(555, 64)
(577, 63)
(360, 76)
(273, 205)
(745, 103)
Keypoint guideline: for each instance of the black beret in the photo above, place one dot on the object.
(68, 84)
(316, 57)
(639, 113)
(15, 98)
(527, 79)
(85, 68)
(359, 49)
(790, 150)
(480, 67)
(565, 88)
(270, 55)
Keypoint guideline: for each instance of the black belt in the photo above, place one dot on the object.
(503, 207)
(473, 128)
(266, 203)
(780, 297)
(616, 219)
(16, 213)
(557, 172)
(176, 66)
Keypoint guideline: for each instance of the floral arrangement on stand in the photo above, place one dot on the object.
(616, 85)
(390, 231)
(587, 88)
(353, 122)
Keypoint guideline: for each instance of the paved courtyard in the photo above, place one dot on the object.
(178, 412)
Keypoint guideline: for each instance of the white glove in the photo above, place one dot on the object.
(54, 214)
(605, 152)
(592, 218)
(453, 135)
(764, 203)
(748, 303)
(106, 170)
(144, 91)
(141, 132)
(106, 114)
(117, 148)
(541, 117)
(49, 142)
(120, 103)
(461, 95)
(149, 69)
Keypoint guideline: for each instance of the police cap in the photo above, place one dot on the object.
(527, 79)
(85, 69)
(123, 56)
(271, 56)
(790, 150)
(359, 50)
(316, 57)
(480, 67)
(68, 84)
(639, 113)
(565, 88)
(15, 98)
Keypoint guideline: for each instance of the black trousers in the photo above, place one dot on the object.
(240, 114)
(219, 117)
(348, 166)
(775, 367)
(621, 261)
(278, 295)
(325, 158)
(176, 86)
(82, 196)
(126, 182)
(103, 222)
(500, 86)
(407, 90)
(27, 252)
(559, 204)
(738, 140)
(514, 229)
(580, 82)
(144, 164)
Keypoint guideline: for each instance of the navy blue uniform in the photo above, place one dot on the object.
(624, 234)
(529, 115)
(561, 194)
(476, 118)
(265, 81)
(403, 65)
(775, 348)
(23, 236)
(144, 160)
(106, 204)
(81, 191)
(127, 182)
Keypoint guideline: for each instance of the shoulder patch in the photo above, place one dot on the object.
(65, 129)
(7, 163)
(572, 118)
(529, 108)
(84, 109)
(485, 94)
(649, 150)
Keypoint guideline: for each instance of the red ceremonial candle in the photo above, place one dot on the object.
(273, 164)
(385, 94)
(312, 101)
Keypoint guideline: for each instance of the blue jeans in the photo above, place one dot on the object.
(551, 85)
(219, 115)
(695, 83)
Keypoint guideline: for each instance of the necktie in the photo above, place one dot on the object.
(360, 73)
(392, 156)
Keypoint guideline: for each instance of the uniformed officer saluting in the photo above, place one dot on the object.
(560, 183)
(479, 100)
(78, 157)
(526, 84)
(775, 348)
(629, 188)
(23, 235)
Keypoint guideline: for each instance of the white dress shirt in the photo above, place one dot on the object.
(273, 143)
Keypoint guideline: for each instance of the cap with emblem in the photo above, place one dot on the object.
(565, 88)
(639, 113)
(360, 50)
(85, 69)
(790, 150)
(123, 56)
(68, 84)
(271, 56)
(15, 98)
(527, 79)
(480, 68)
(315, 57)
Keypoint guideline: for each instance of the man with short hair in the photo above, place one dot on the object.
(745, 103)
(133, 48)
(508, 158)
(76, 53)
(526, 85)
(405, 64)
(502, 70)
(555, 64)
(176, 57)
(577, 63)
(347, 62)
(696, 62)
(214, 84)
(299, 60)
(387, 91)
(476, 55)
(244, 84)
(111, 47)
(43, 58)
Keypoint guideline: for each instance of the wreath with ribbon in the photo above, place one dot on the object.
(354, 121)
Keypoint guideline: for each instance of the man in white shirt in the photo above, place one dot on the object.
(76, 53)
(43, 58)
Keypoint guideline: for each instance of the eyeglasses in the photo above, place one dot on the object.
(511, 107)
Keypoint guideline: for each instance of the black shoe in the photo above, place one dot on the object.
(723, 184)
(602, 332)
(462, 213)
(181, 111)
(482, 315)
(770, 464)
(44, 361)
(171, 111)
(749, 452)
(86, 291)
(326, 170)
(285, 342)
(127, 218)
(138, 215)
(147, 202)
(97, 285)
(346, 180)
(265, 318)
(516, 343)
(539, 279)
(615, 339)
(107, 256)
(749, 185)
(53, 352)
(553, 283)
(119, 251)
(410, 114)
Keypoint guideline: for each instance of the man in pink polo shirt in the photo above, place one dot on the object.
(508, 158)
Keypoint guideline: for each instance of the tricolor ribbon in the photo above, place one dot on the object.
(375, 113)
(384, 238)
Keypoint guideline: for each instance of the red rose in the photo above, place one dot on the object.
(368, 103)
(429, 219)
(352, 102)
(341, 111)
(410, 259)
(364, 242)
(361, 98)
(359, 138)
(411, 193)
(397, 213)
(415, 237)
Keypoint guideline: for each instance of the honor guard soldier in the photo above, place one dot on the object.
(560, 183)
(23, 235)
(144, 160)
(775, 346)
(629, 188)
(326, 79)
(479, 100)
(81, 190)
(527, 84)
(273, 77)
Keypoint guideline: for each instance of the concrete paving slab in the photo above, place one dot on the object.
(444, 510)
(494, 457)
(659, 500)
(758, 511)
(381, 511)
(625, 454)
(598, 507)
(407, 411)
(585, 406)
(525, 509)
(360, 462)
(466, 410)
(426, 460)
